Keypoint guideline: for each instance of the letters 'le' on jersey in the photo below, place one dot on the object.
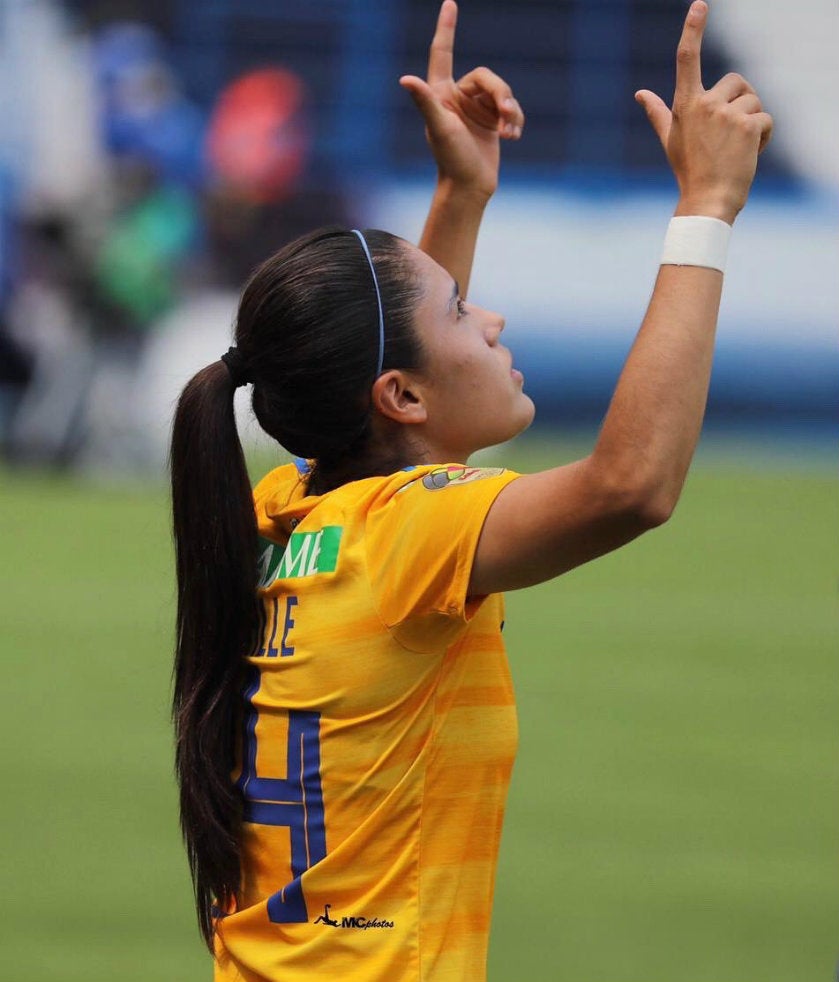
(378, 735)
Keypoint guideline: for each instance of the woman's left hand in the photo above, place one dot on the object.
(464, 119)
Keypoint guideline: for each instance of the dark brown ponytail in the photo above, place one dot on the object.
(307, 337)
(217, 624)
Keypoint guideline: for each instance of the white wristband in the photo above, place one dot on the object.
(696, 240)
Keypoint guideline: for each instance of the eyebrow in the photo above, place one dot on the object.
(454, 296)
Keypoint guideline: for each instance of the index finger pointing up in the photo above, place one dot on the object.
(441, 53)
(688, 61)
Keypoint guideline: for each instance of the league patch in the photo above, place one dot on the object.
(443, 477)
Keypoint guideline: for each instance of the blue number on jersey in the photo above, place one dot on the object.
(295, 800)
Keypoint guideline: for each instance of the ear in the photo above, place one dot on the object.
(396, 396)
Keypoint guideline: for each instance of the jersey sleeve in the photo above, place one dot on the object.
(421, 544)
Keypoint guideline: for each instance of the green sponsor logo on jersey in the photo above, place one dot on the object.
(306, 554)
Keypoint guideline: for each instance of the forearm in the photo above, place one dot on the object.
(712, 139)
(652, 427)
(451, 230)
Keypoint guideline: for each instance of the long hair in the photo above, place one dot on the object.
(307, 331)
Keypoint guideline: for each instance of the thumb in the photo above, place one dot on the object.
(433, 111)
(657, 112)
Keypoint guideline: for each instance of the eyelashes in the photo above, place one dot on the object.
(461, 308)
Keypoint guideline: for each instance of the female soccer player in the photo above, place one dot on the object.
(344, 713)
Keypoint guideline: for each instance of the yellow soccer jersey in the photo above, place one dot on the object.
(378, 738)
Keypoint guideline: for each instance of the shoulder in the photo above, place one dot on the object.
(441, 504)
(420, 542)
(439, 477)
(281, 498)
(445, 487)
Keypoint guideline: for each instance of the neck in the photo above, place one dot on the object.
(374, 461)
(389, 450)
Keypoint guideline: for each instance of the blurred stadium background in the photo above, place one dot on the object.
(673, 813)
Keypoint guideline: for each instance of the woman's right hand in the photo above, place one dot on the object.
(464, 119)
(712, 137)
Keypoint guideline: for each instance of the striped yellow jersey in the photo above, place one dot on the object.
(378, 736)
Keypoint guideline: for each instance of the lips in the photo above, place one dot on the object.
(515, 374)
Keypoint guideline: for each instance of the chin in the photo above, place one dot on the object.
(522, 418)
(528, 414)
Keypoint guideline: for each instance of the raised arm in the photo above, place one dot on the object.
(465, 121)
(544, 524)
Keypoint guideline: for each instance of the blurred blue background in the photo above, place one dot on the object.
(152, 154)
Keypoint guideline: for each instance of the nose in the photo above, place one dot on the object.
(496, 325)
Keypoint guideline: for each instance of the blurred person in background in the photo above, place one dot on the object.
(51, 174)
(152, 238)
(106, 160)
(258, 150)
(257, 193)
(343, 706)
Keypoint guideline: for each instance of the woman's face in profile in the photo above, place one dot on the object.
(473, 395)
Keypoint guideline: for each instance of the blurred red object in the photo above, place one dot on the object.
(258, 137)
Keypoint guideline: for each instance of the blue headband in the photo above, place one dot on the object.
(363, 242)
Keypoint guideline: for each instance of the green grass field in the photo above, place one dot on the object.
(673, 812)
